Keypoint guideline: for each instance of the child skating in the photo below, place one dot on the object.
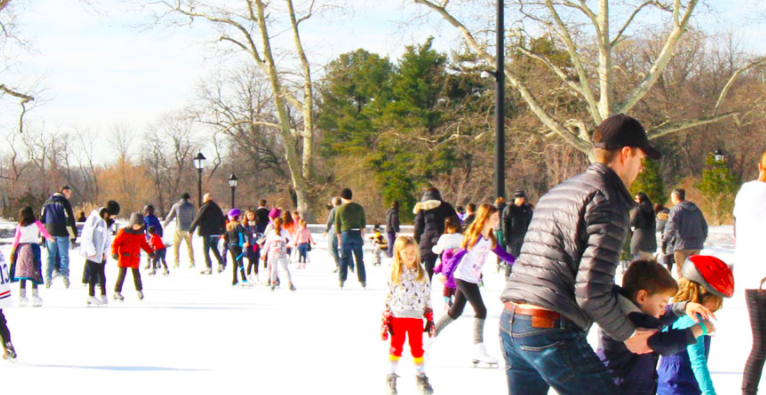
(706, 280)
(408, 302)
(303, 242)
(26, 264)
(447, 245)
(9, 353)
(253, 250)
(126, 249)
(275, 249)
(379, 245)
(236, 240)
(155, 240)
(95, 240)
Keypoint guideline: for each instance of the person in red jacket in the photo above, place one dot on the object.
(126, 249)
(155, 240)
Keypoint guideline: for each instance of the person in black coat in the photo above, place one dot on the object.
(643, 244)
(392, 226)
(211, 223)
(430, 214)
(262, 216)
(515, 222)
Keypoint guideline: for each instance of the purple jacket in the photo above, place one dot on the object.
(447, 255)
(449, 263)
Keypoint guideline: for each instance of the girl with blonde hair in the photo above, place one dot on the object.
(408, 301)
(466, 266)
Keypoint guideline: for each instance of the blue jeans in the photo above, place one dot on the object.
(211, 243)
(303, 252)
(59, 247)
(559, 357)
(351, 242)
(332, 245)
(391, 240)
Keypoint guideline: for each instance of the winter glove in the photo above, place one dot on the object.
(386, 328)
(115, 256)
(430, 327)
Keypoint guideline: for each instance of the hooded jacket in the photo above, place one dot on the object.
(515, 222)
(95, 237)
(392, 220)
(58, 217)
(572, 249)
(210, 220)
(430, 214)
(686, 228)
(643, 220)
(183, 212)
(129, 243)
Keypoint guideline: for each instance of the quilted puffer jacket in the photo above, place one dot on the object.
(430, 214)
(572, 249)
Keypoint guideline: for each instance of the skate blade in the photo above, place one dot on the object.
(484, 365)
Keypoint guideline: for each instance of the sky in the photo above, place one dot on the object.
(97, 69)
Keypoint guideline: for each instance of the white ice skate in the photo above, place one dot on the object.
(93, 301)
(104, 299)
(481, 358)
(23, 301)
(36, 300)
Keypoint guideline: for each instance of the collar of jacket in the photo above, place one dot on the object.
(613, 179)
(427, 205)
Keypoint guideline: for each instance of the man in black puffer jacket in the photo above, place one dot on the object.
(430, 215)
(211, 223)
(562, 281)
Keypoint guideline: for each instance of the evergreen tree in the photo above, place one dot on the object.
(650, 182)
(718, 186)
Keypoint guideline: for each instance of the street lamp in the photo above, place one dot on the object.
(719, 156)
(500, 101)
(199, 164)
(233, 186)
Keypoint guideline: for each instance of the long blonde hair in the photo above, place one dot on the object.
(689, 291)
(473, 232)
(277, 224)
(400, 244)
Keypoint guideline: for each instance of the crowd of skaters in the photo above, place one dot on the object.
(561, 258)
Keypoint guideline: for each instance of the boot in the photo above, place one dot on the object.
(423, 385)
(118, 297)
(391, 384)
(104, 299)
(23, 301)
(140, 295)
(36, 300)
(66, 282)
(480, 356)
(92, 300)
(10, 352)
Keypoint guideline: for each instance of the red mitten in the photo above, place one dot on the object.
(385, 328)
(430, 327)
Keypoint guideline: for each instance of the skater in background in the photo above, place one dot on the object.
(460, 210)
(96, 237)
(470, 214)
(350, 223)
(332, 241)
(706, 280)
(211, 223)
(303, 242)
(253, 250)
(151, 220)
(430, 214)
(289, 224)
(81, 216)
(155, 240)
(262, 216)
(466, 267)
(749, 271)
(237, 242)
(379, 244)
(59, 221)
(516, 218)
(275, 249)
(26, 264)
(446, 247)
(392, 226)
(643, 244)
(126, 250)
(9, 353)
(646, 288)
(685, 231)
(183, 211)
(408, 302)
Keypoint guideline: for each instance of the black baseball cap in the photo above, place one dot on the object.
(620, 131)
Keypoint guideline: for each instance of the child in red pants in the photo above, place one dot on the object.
(408, 301)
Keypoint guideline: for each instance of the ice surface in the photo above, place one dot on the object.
(195, 334)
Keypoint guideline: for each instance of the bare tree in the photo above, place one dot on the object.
(245, 26)
(7, 33)
(588, 40)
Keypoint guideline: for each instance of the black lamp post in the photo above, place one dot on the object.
(233, 186)
(719, 156)
(199, 164)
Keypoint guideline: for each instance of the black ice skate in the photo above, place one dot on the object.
(10, 353)
(391, 384)
(423, 385)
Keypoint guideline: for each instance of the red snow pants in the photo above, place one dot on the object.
(411, 328)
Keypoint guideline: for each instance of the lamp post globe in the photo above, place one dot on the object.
(199, 164)
(233, 186)
(719, 155)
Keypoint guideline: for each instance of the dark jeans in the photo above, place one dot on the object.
(756, 305)
(237, 262)
(391, 240)
(121, 279)
(333, 246)
(429, 261)
(211, 243)
(5, 333)
(159, 258)
(96, 275)
(558, 357)
(467, 292)
(303, 252)
(351, 242)
(23, 284)
(252, 259)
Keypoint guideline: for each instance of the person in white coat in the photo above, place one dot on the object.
(95, 241)
(750, 270)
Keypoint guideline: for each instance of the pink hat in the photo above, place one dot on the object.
(274, 213)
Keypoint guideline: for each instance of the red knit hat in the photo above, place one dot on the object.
(711, 273)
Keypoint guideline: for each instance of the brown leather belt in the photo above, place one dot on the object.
(533, 312)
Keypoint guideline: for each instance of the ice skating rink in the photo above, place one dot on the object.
(195, 334)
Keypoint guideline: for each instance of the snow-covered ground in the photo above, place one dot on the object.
(195, 334)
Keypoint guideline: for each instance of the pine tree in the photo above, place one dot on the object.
(650, 182)
(718, 186)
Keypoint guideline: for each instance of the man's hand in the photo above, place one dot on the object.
(637, 344)
(696, 310)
